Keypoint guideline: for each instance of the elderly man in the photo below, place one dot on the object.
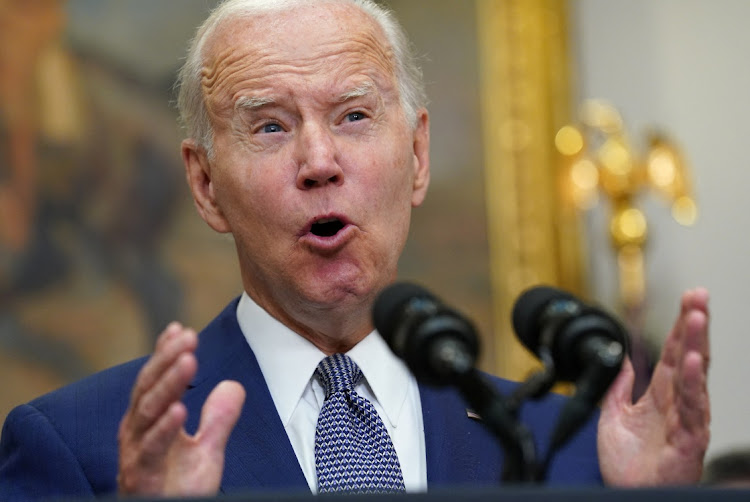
(308, 142)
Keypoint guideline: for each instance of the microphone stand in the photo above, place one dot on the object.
(589, 388)
(536, 386)
(541, 382)
(521, 464)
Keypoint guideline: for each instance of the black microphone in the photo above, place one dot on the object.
(581, 343)
(437, 343)
(553, 322)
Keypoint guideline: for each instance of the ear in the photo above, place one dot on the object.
(421, 158)
(198, 174)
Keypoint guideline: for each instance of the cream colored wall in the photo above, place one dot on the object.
(684, 65)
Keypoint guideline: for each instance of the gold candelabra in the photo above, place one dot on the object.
(597, 157)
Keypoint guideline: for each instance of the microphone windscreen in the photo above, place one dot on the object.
(389, 305)
(528, 310)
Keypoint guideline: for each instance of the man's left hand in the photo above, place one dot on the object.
(662, 438)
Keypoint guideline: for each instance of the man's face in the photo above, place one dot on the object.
(315, 169)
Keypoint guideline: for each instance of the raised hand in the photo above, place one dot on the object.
(157, 456)
(662, 438)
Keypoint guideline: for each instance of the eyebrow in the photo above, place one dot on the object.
(251, 103)
(254, 102)
(361, 90)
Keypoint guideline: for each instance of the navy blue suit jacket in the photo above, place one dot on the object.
(65, 443)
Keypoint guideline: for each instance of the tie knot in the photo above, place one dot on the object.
(338, 372)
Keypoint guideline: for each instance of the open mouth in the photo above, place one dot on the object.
(326, 227)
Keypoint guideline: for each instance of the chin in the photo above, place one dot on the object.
(341, 291)
(344, 283)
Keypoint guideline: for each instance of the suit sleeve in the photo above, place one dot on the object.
(35, 462)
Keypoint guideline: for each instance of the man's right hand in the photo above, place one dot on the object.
(157, 456)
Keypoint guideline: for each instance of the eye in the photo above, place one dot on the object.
(355, 116)
(271, 128)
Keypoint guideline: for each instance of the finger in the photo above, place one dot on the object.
(672, 352)
(142, 463)
(172, 330)
(694, 407)
(698, 300)
(166, 391)
(166, 350)
(692, 375)
(621, 392)
(159, 438)
(219, 415)
(695, 338)
(173, 342)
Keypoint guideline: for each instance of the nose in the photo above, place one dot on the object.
(318, 158)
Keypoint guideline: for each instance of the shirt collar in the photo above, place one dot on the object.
(288, 361)
(388, 377)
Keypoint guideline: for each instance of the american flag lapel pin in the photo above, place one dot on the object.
(473, 414)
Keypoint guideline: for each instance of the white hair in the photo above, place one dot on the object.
(190, 99)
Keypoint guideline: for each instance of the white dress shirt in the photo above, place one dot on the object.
(288, 362)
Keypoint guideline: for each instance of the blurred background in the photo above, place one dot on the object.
(100, 246)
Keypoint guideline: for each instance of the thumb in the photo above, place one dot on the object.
(219, 415)
(621, 392)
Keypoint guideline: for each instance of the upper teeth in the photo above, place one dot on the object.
(326, 220)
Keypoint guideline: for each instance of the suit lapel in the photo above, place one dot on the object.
(459, 450)
(259, 454)
(446, 462)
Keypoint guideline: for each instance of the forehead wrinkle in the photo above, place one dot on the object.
(239, 66)
(224, 66)
(379, 54)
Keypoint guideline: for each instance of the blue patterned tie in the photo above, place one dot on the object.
(353, 451)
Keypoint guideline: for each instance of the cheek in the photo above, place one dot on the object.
(387, 167)
(246, 195)
(387, 197)
(394, 181)
(249, 176)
